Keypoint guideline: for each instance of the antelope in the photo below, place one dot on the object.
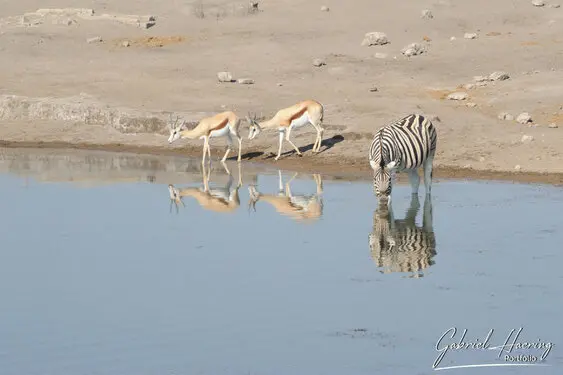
(215, 199)
(300, 207)
(287, 119)
(224, 124)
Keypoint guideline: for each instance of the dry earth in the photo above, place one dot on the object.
(173, 66)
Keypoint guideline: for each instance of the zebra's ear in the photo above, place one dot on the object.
(391, 165)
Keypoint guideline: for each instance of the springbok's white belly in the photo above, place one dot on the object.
(220, 132)
(300, 121)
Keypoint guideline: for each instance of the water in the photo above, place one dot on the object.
(111, 278)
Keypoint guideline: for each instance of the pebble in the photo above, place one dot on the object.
(538, 3)
(498, 76)
(375, 38)
(324, 8)
(225, 77)
(380, 55)
(471, 105)
(413, 49)
(469, 86)
(552, 125)
(427, 14)
(524, 118)
(481, 159)
(125, 43)
(517, 167)
(554, 5)
(96, 39)
(505, 116)
(458, 96)
(373, 89)
(453, 38)
(245, 81)
(470, 35)
(318, 62)
(527, 138)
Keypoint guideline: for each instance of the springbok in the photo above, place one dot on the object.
(224, 124)
(287, 119)
(213, 199)
(305, 208)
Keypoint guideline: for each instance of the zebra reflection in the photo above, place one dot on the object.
(401, 245)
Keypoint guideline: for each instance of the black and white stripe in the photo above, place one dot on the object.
(408, 144)
(401, 245)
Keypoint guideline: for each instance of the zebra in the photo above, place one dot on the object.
(401, 245)
(404, 145)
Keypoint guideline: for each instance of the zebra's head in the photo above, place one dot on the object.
(382, 174)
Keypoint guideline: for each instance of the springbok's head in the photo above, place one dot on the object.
(254, 129)
(175, 126)
(382, 175)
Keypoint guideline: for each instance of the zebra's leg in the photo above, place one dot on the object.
(414, 179)
(428, 173)
(427, 219)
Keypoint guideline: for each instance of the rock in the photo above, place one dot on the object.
(458, 96)
(96, 39)
(498, 76)
(324, 8)
(552, 125)
(380, 55)
(225, 77)
(373, 89)
(524, 118)
(471, 105)
(517, 167)
(538, 3)
(470, 35)
(481, 84)
(481, 79)
(375, 39)
(245, 81)
(413, 49)
(318, 62)
(469, 86)
(427, 14)
(280, 84)
(453, 38)
(527, 138)
(505, 116)
(554, 5)
(125, 43)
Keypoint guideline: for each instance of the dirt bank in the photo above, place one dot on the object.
(173, 65)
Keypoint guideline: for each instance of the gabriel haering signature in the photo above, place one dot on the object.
(510, 344)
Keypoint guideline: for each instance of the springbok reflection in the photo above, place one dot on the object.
(220, 199)
(304, 208)
(401, 245)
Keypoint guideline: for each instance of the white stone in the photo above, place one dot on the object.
(527, 138)
(470, 35)
(380, 55)
(498, 76)
(375, 38)
(469, 86)
(318, 62)
(324, 8)
(96, 39)
(552, 125)
(458, 96)
(225, 77)
(505, 116)
(413, 49)
(538, 3)
(524, 118)
(471, 105)
(517, 167)
(245, 81)
(427, 14)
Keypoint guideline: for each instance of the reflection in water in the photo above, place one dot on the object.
(298, 207)
(220, 199)
(400, 245)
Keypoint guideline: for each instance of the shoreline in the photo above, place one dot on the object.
(345, 168)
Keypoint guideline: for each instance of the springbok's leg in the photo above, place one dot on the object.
(280, 146)
(291, 143)
(229, 145)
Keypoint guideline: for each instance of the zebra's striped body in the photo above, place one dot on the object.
(405, 145)
(400, 245)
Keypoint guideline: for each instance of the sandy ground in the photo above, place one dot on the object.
(173, 66)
